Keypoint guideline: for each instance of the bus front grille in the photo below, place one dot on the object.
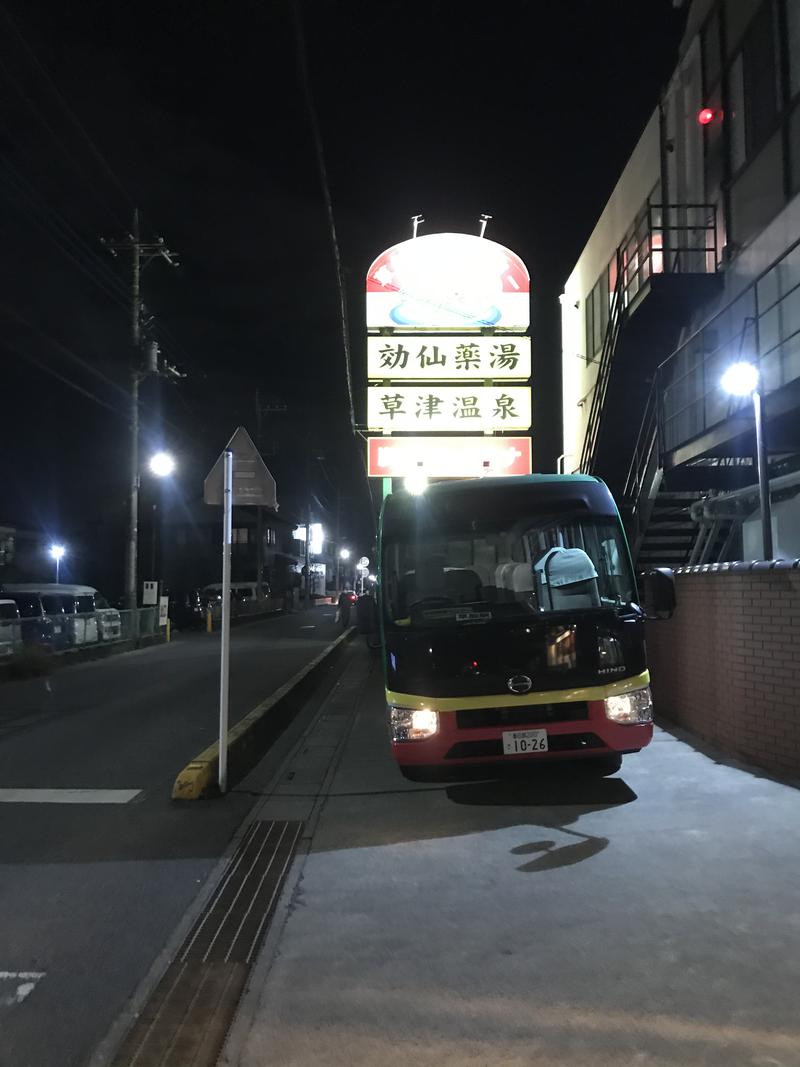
(530, 715)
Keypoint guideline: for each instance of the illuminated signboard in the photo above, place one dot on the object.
(448, 457)
(434, 358)
(448, 281)
(435, 408)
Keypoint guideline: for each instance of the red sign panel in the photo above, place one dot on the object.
(449, 457)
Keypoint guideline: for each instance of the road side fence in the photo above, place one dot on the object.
(65, 632)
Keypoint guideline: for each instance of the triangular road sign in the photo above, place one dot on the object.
(252, 482)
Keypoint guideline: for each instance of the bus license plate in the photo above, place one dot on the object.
(517, 742)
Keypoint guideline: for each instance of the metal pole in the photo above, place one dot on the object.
(153, 544)
(133, 498)
(227, 524)
(133, 506)
(259, 514)
(58, 565)
(308, 566)
(763, 477)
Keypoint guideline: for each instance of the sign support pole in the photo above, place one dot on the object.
(225, 643)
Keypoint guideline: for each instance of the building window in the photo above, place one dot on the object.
(712, 52)
(736, 114)
(752, 83)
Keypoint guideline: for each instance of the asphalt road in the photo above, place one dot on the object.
(91, 892)
(651, 919)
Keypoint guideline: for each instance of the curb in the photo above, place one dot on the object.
(198, 779)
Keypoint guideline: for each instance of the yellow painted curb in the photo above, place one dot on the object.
(199, 776)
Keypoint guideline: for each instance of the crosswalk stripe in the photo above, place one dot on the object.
(68, 796)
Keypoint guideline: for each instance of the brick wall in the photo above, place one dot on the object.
(726, 667)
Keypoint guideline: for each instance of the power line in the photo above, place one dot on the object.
(302, 60)
(323, 174)
(65, 106)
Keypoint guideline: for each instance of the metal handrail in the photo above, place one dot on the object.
(634, 259)
(643, 449)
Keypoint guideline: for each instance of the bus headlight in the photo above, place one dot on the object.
(631, 708)
(412, 724)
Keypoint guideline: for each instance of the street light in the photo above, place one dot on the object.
(57, 552)
(740, 379)
(162, 464)
(344, 554)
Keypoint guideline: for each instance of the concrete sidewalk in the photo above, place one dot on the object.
(648, 919)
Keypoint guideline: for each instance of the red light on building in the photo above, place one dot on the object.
(706, 116)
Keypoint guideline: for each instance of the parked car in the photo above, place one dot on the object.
(37, 627)
(10, 627)
(87, 601)
(187, 611)
(79, 614)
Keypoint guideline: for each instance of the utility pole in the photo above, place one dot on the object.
(338, 536)
(259, 513)
(272, 407)
(142, 252)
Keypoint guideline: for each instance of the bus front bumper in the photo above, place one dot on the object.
(454, 736)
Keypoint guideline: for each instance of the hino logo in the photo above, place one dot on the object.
(519, 683)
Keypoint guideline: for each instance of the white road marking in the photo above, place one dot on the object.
(308, 627)
(67, 796)
(24, 982)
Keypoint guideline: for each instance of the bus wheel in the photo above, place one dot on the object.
(601, 767)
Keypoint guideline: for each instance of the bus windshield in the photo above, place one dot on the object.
(485, 569)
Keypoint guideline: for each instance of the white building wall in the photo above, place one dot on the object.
(636, 183)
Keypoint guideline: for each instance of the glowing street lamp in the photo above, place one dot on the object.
(57, 552)
(344, 554)
(740, 379)
(162, 464)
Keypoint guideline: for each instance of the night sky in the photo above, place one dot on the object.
(196, 113)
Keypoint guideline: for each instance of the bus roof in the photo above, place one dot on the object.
(516, 494)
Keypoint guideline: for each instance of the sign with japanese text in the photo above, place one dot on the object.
(435, 358)
(448, 281)
(448, 457)
(428, 408)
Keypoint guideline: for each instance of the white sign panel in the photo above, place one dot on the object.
(448, 408)
(252, 481)
(457, 358)
(448, 457)
(448, 281)
(163, 610)
(150, 594)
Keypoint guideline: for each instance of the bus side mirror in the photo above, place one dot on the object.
(658, 593)
(367, 615)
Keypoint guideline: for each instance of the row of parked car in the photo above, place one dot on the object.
(55, 616)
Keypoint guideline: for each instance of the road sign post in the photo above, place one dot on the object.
(239, 477)
(224, 670)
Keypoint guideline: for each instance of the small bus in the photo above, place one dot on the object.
(510, 626)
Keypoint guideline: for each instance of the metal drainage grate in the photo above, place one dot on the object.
(186, 1019)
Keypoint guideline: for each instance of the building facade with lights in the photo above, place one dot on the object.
(693, 265)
